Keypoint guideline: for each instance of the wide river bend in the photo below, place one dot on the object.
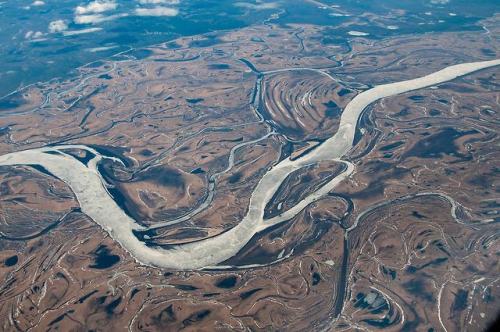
(95, 201)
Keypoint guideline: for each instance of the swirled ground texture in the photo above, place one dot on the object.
(263, 180)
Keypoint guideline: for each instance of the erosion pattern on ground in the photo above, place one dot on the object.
(230, 183)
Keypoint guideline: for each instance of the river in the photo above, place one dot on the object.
(95, 201)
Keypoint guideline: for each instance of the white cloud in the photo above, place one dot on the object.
(33, 35)
(157, 11)
(92, 13)
(96, 7)
(158, 2)
(101, 49)
(57, 26)
(96, 18)
(38, 3)
(440, 2)
(257, 6)
(80, 32)
(87, 19)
